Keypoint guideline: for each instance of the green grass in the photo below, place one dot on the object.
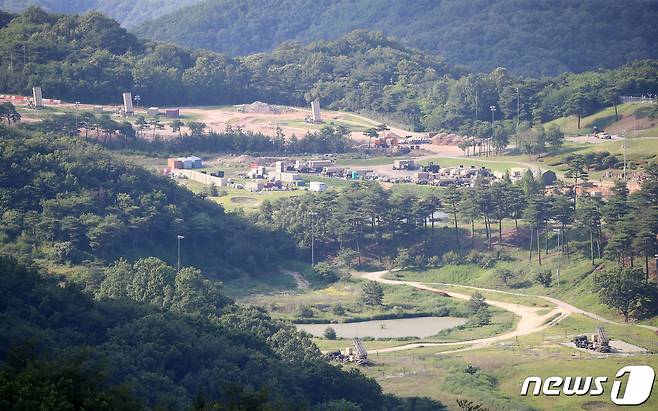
(243, 199)
(397, 301)
(601, 119)
(500, 163)
(575, 281)
(501, 369)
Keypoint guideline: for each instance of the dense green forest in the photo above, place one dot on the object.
(150, 337)
(67, 201)
(90, 58)
(530, 37)
(128, 12)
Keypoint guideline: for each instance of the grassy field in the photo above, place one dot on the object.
(398, 301)
(499, 163)
(575, 281)
(602, 119)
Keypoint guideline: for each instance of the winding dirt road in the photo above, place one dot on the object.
(530, 321)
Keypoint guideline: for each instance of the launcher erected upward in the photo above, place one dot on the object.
(128, 104)
(38, 98)
(315, 107)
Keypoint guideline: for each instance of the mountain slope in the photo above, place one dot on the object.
(526, 36)
(127, 12)
(68, 202)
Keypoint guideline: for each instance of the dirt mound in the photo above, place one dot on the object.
(259, 107)
(448, 139)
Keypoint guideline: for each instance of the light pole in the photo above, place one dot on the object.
(138, 98)
(77, 107)
(178, 238)
(518, 108)
(557, 273)
(313, 214)
(493, 112)
(623, 135)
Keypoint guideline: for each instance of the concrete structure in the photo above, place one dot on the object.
(172, 113)
(38, 98)
(279, 167)
(184, 163)
(286, 177)
(174, 163)
(317, 186)
(257, 172)
(315, 107)
(128, 104)
(319, 164)
(153, 111)
(201, 177)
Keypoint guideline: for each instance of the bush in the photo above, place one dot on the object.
(434, 261)
(452, 258)
(544, 278)
(504, 275)
(481, 259)
(372, 293)
(339, 309)
(329, 333)
(325, 272)
(305, 311)
(403, 260)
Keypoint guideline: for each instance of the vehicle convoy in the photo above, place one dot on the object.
(599, 342)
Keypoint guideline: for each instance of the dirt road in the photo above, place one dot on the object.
(530, 321)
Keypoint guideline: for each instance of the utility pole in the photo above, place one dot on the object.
(178, 238)
(493, 111)
(476, 104)
(313, 214)
(558, 258)
(623, 134)
(77, 108)
(518, 108)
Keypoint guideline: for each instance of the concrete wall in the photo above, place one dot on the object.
(202, 178)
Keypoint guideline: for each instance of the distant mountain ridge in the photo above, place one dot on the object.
(531, 37)
(128, 12)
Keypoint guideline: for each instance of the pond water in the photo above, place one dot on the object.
(404, 327)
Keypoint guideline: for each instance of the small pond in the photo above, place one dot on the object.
(404, 327)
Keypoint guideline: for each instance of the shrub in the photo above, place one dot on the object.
(544, 278)
(403, 259)
(339, 309)
(504, 275)
(325, 272)
(329, 333)
(434, 261)
(372, 293)
(305, 311)
(452, 258)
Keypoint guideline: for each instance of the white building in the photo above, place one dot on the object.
(317, 186)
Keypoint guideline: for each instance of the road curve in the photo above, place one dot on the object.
(530, 321)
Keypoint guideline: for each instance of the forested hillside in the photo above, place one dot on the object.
(528, 37)
(90, 58)
(156, 339)
(69, 202)
(127, 12)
